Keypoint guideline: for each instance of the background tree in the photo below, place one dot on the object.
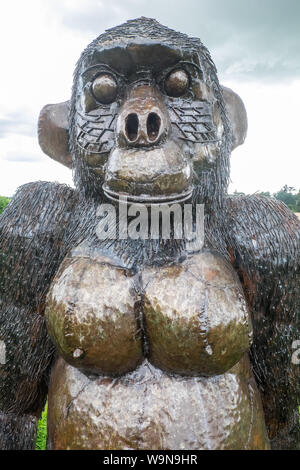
(288, 196)
(3, 203)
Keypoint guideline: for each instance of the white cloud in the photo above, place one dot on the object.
(17, 173)
(269, 157)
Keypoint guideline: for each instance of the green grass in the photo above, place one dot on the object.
(41, 438)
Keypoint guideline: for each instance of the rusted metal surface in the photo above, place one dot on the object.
(150, 409)
(191, 319)
(196, 318)
(91, 317)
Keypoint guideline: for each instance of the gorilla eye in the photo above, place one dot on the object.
(105, 88)
(176, 84)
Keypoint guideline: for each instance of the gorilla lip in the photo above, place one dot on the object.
(145, 199)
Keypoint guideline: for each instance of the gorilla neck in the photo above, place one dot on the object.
(130, 252)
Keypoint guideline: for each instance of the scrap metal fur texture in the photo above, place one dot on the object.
(143, 344)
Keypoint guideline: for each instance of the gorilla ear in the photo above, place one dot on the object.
(237, 115)
(53, 132)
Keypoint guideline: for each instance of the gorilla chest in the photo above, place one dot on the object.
(190, 318)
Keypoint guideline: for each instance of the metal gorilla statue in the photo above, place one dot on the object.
(143, 343)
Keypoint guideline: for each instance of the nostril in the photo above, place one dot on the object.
(153, 126)
(132, 126)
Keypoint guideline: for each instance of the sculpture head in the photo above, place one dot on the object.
(147, 118)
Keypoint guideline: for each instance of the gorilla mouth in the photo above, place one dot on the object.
(146, 199)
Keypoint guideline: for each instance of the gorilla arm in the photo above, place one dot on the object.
(31, 234)
(264, 244)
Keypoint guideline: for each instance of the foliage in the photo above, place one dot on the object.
(41, 438)
(3, 203)
(287, 194)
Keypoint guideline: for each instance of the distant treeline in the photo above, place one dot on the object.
(289, 195)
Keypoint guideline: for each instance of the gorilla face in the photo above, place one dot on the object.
(146, 121)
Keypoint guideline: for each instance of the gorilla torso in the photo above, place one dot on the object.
(168, 342)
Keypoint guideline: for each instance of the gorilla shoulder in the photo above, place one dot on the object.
(30, 202)
(262, 233)
(32, 227)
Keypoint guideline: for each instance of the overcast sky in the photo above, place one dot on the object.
(254, 43)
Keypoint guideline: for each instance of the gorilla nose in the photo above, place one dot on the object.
(153, 126)
(142, 130)
(143, 120)
(132, 127)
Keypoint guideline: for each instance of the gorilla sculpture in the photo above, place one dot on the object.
(145, 344)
